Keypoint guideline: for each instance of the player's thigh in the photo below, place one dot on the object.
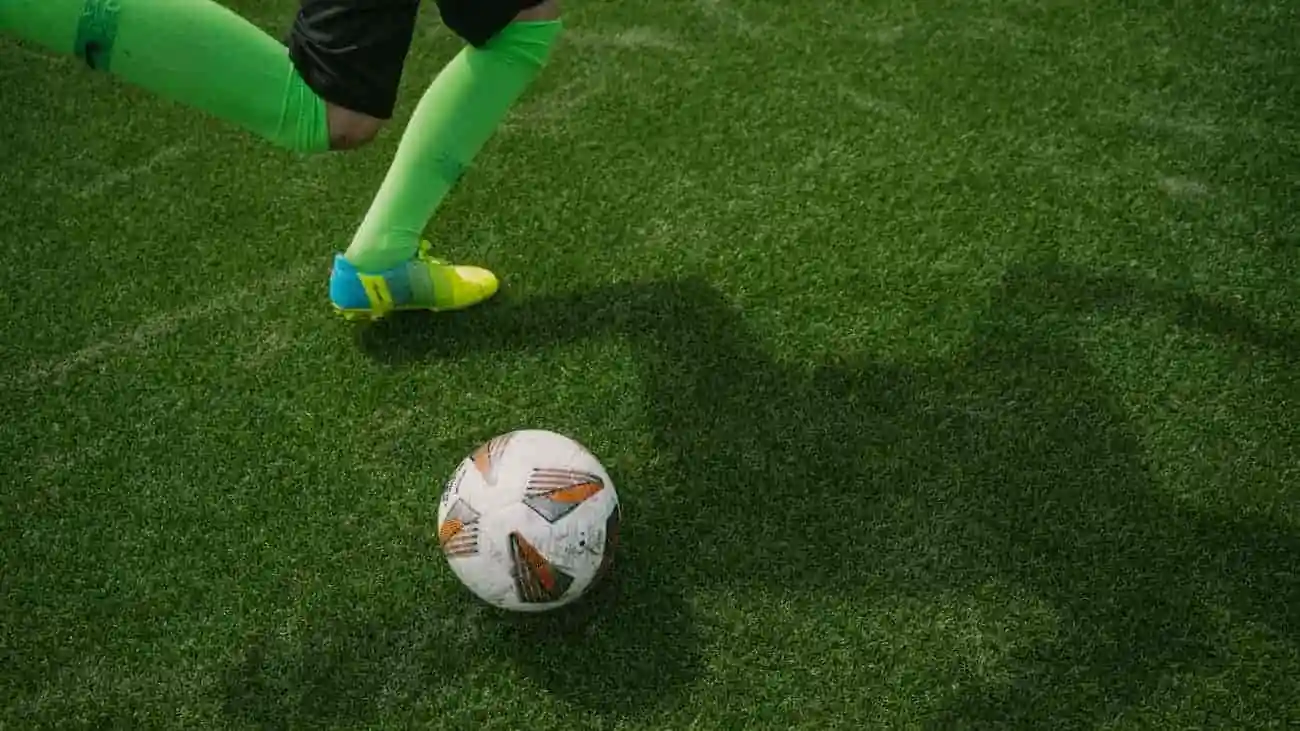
(477, 21)
(351, 53)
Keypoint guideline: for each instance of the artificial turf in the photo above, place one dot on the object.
(945, 356)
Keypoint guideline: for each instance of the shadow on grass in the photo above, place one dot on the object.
(338, 668)
(395, 648)
(1009, 463)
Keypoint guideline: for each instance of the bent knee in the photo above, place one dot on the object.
(545, 10)
(350, 130)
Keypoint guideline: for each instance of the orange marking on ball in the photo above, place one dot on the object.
(449, 530)
(576, 493)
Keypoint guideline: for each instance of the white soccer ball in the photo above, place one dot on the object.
(529, 521)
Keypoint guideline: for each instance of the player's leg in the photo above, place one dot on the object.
(387, 267)
(198, 53)
(351, 52)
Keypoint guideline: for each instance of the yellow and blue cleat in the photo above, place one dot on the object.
(423, 283)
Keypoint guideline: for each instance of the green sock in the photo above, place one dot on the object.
(456, 116)
(195, 52)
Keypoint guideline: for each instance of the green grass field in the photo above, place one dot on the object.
(946, 356)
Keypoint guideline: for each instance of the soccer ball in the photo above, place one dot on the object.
(529, 521)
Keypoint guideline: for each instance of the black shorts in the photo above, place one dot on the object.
(351, 52)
